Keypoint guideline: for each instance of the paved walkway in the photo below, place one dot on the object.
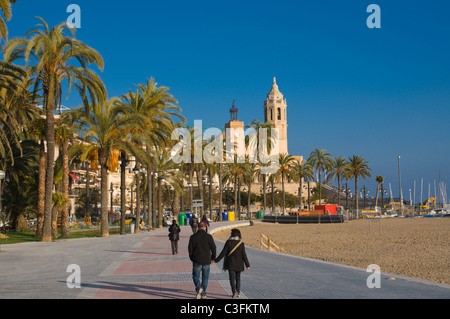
(141, 266)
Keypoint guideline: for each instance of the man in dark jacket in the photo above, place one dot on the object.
(202, 250)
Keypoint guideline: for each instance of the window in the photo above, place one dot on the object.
(279, 114)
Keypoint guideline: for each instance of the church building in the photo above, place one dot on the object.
(275, 112)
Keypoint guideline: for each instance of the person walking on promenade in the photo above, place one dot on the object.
(235, 258)
(174, 236)
(202, 250)
(194, 223)
(205, 221)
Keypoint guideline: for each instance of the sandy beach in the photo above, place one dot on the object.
(413, 247)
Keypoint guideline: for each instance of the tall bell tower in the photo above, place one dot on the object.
(275, 112)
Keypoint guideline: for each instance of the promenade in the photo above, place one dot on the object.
(141, 266)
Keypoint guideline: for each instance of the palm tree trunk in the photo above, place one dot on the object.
(65, 183)
(41, 190)
(264, 193)
(123, 189)
(284, 197)
(339, 190)
(88, 191)
(320, 185)
(210, 195)
(176, 204)
(191, 195)
(235, 194)
(376, 198)
(149, 195)
(356, 197)
(50, 138)
(200, 188)
(104, 200)
(55, 212)
(153, 199)
(220, 191)
(138, 200)
(160, 210)
(300, 190)
(248, 198)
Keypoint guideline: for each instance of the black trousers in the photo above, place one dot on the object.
(235, 281)
(174, 246)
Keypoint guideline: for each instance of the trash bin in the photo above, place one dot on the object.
(225, 216)
(182, 219)
(132, 228)
(260, 214)
(231, 216)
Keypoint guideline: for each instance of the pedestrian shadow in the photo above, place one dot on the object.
(115, 290)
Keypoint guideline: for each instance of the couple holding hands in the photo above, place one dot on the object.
(202, 253)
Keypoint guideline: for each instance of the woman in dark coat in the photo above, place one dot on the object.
(174, 236)
(235, 258)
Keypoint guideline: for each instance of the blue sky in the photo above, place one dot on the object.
(351, 90)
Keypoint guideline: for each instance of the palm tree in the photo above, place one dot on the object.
(65, 132)
(102, 129)
(37, 130)
(357, 168)
(5, 6)
(285, 170)
(338, 172)
(169, 173)
(301, 170)
(158, 108)
(17, 107)
(53, 57)
(253, 142)
(263, 165)
(234, 173)
(379, 180)
(60, 201)
(212, 170)
(17, 115)
(19, 188)
(320, 160)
